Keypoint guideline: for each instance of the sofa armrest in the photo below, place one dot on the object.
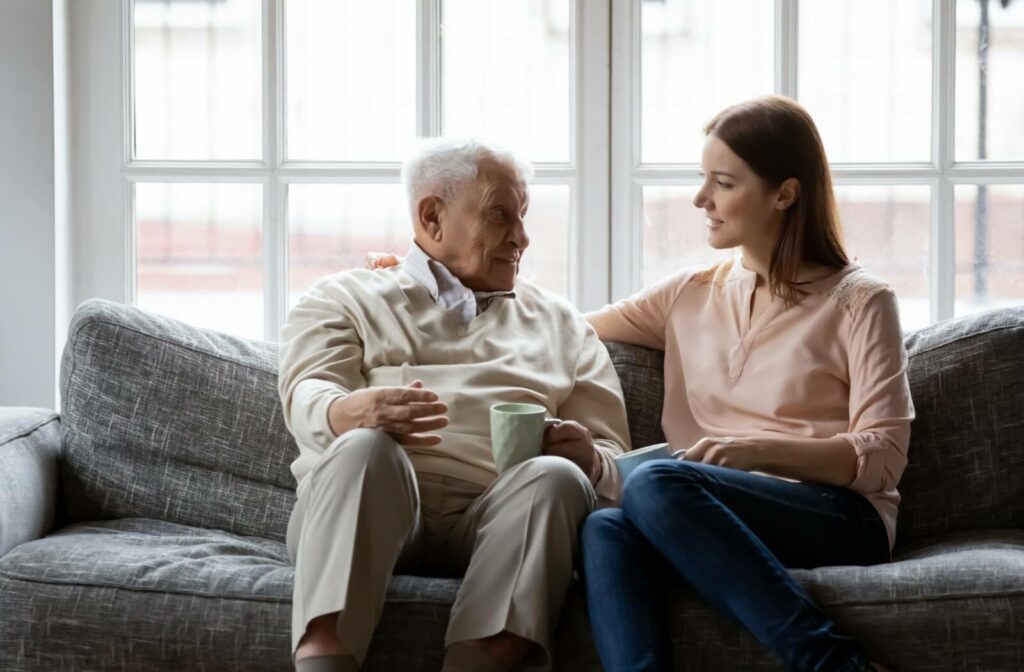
(30, 445)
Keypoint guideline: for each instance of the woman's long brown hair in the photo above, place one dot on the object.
(778, 140)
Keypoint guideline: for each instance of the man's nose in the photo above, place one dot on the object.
(519, 237)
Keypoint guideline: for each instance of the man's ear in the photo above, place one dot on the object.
(428, 217)
(787, 193)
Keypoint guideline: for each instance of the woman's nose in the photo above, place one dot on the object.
(699, 200)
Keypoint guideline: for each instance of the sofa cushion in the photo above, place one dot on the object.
(150, 595)
(641, 373)
(156, 556)
(966, 460)
(953, 603)
(163, 420)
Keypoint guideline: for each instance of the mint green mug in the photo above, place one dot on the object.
(517, 433)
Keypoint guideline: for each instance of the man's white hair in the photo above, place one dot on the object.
(443, 166)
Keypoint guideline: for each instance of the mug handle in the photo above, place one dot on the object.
(548, 422)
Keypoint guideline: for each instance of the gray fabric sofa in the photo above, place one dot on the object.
(143, 529)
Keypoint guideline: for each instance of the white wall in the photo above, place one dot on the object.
(27, 233)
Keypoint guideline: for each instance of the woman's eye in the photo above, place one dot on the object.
(724, 185)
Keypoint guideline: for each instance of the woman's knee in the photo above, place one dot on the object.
(601, 526)
(657, 484)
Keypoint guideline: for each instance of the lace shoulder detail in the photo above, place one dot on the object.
(854, 290)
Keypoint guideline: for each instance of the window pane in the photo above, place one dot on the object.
(351, 79)
(674, 233)
(697, 57)
(989, 108)
(989, 247)
(331, 228)
(200, 254)
(887, 232)
(546, 261)
(197, 80)
(505, 74)
(865, 77)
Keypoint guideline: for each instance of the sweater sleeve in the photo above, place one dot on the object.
(320, 361)
(595, 402)
(881, 409)
(642, 318)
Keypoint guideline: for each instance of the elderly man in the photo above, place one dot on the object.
(386, 377)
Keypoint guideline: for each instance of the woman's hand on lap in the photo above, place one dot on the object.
(727, 451)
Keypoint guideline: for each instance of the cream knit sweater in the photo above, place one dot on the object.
(364, 328)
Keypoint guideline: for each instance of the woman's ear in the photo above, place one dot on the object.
(428, 217)
(787, 193)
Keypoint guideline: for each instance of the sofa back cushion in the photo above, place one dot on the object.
(641, 373)
(966, 462)
(163, 420)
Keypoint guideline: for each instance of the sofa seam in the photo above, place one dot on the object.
(936, 598)
(11, 576)
(135, 589)
(22, 433)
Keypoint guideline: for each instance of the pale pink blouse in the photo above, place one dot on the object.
(833, 365)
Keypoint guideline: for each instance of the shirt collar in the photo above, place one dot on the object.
(822, 286)
(444, 287)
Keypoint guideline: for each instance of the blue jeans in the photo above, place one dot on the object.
(730, 535)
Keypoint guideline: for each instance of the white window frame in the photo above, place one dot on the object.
(108, 172)
(604, 173)
(942, 173)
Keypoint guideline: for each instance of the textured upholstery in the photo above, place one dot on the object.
(966, 462)
(162, 420)
(29, 450)
(174, 477)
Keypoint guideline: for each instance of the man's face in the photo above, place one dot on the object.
(482, 234)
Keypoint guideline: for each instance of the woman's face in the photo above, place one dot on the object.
(740, 207)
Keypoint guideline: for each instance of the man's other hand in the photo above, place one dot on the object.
(406, 414)
(571, 440)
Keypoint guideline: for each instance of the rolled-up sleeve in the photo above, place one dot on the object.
(595, 402)
(320, 361)
(881, 409)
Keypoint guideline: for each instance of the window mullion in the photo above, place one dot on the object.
(943, 252)
(626, 219)
(590, 232)
(275, 235)
(428, 68)
(786, 47)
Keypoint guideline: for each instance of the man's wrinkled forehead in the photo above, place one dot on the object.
(496, 177)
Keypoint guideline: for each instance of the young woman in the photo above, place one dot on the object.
(785, 381)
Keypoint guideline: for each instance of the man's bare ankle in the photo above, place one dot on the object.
(321, 639)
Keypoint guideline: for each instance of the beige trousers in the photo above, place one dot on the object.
(363, 513)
